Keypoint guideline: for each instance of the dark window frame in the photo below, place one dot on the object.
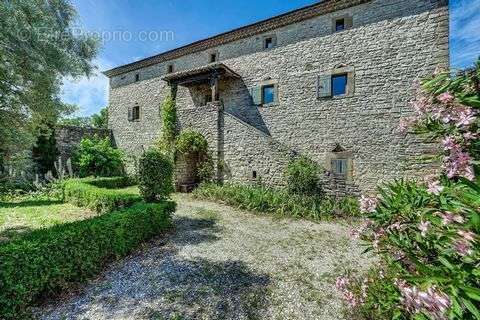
(269, 86)
(340, 25)
(213, 57)
(343, 164)
(345, 90)
(136, 113)
(137, 77)
(170, 68)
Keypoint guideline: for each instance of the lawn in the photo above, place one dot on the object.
(25, 214)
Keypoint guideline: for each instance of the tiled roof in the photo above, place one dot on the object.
(298, 15)
(209, 68)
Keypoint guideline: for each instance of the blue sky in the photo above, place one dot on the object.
(134, 29)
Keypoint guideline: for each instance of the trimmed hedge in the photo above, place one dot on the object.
(48, 260)
(278, 201)
(101, 195)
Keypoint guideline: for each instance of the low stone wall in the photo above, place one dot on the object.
(69, 137)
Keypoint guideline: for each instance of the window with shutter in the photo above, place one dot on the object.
(324, 86)
(348, 23)
(256, 94)
(130, 114)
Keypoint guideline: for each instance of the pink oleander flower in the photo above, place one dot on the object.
(470, 136)
(421, 105)
(449, 218)
(459, 164)
(446, 98)
(464, 116)
(424, 226)
(342, 284)
(467, 235)
(431, 301)
(368, 204)
(434, 187)
(449, 143)
(463, 247)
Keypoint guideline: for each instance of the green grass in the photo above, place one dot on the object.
(24, 214)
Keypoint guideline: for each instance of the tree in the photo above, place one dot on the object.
(38, 48)
(100, 120)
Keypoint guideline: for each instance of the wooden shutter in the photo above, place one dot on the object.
(256, 94)
(348, 23)
(324, 86)
(130, 114)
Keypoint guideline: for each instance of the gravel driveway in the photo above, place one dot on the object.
(221, 263)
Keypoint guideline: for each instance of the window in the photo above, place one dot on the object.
(254, 174)
(170, 68)
(213, 57)
(134, 113)
(339, 166)
(339, 84)
(268, 94)
(269, 42)
(340, 24)
(137, 77)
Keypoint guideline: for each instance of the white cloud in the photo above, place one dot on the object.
(90, 94)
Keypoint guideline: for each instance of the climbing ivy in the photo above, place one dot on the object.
(192, 143)
(169, 120)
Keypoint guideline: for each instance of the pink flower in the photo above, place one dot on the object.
(435, 188)
(368, 204)
(449, 143)
(424, 226)
(406, 123)
(463, 247)
(446, 98)
(470, 136)
(449, 218)
(356, 233)
(431, 301)
(464, 117)
(459, 164)
(467, 235)
(342, 284)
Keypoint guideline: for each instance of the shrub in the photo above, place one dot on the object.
(427, 234)
(48, 260)
(155, 176)
(99, 194)
(97, 157)
(278, 202)
(302, 176)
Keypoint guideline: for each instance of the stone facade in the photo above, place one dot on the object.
(391, 44)
(68, 138)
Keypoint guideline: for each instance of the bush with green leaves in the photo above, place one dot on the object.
(303, 176)
(97, 157)
(278, 201)
(155, 175)
(101, 195)
(428, 233)
(191, 143)
(47, 261)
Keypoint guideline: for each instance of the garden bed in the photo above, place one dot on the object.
(278, 202)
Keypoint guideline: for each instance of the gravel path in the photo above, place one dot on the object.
(221, 263)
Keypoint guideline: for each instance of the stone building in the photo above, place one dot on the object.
(330, 81)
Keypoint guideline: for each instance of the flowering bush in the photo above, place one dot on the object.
(427, 233)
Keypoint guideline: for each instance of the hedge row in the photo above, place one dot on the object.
(101, 195)
(278, 201)
(48, 260)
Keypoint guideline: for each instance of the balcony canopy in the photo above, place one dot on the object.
(201, 75)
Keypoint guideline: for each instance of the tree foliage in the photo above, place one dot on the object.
(303, 176)
(97, 157)
(155, 175)
(39, 48)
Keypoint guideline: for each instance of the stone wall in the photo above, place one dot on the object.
(392, 44)
(69, 137)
